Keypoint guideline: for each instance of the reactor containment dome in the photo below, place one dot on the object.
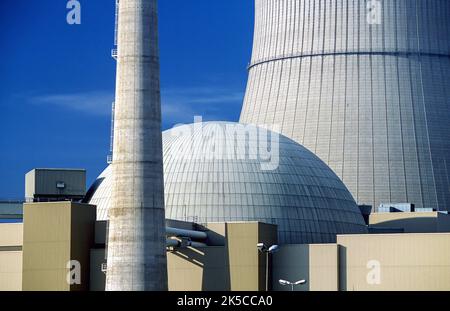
(204, 184)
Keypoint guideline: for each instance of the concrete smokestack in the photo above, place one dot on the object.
(136, 244)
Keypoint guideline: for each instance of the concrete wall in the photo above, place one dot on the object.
(54, 234)
(97, 277)
(443, 222)
(201, 269)
(243, 256)
(11, 257)
(407, 262)
(247, 265)
(83, 218)
(10, 270)
(46, 248)
(216, 233)
(189, 269)
(236, 266)
(315, 263)
(198, 269)
(11, 235)
(410, 222)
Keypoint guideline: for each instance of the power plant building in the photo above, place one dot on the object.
(33, 257)
(363, 85)
(358, 90)
(301, 194)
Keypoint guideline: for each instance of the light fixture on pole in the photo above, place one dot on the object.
(292, 284)
(262, 248)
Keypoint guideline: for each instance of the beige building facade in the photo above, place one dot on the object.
(417, 222)
(57, 239)
(11, 257)
(395, 262)
(316, 263)
(34, 256)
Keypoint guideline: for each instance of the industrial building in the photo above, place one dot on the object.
(301, 195)
(223, 206)
(364, 86)
(62, 246)
(35, 254)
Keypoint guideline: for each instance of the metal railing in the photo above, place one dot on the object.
(12, 201)
(104, 267)
(114, 53)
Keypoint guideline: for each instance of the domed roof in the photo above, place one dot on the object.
(223, 171)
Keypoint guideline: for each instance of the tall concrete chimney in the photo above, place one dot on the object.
(136, 258)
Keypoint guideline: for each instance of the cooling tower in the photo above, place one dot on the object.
(136, 243)
(365, 86)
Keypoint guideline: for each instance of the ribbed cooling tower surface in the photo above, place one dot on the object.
(365, 86)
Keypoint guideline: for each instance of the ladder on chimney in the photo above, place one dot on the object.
(109, 158)
(116, 30)
(111, 140)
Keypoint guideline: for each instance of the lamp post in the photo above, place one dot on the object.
(285, 283)
(262, 248)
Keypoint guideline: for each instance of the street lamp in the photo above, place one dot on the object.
(285, 283)
(262, 248)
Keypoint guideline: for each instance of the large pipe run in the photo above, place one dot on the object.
(197, 235)
(176, 243)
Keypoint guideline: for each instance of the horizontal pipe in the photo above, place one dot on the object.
(197, 235)
(172, 243)
(175, 243)
(197, 244)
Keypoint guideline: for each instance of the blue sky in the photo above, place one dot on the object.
(57, 80)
